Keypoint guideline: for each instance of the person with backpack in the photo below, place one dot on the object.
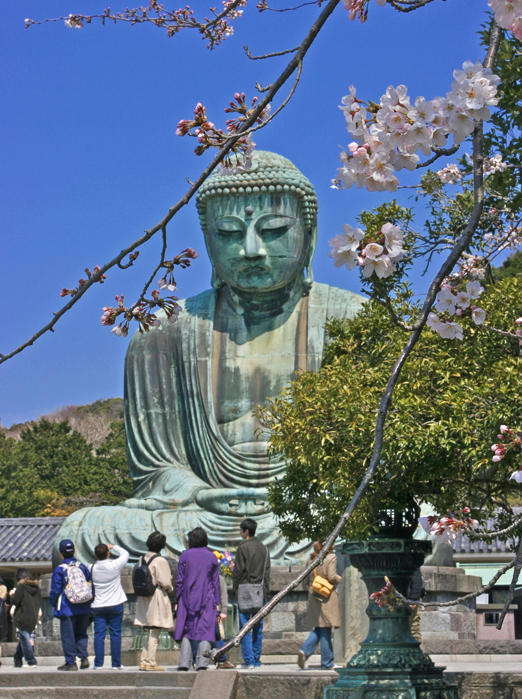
(71, 595)
(152, 582)
(27, 600)
(107, 607)
(3, 615)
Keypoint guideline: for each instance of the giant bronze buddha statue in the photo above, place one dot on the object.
(190, 387)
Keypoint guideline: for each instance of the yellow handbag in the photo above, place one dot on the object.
(321, 586)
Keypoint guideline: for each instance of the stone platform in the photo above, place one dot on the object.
(489, 680)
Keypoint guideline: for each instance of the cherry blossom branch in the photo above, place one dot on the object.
(250, 120)
(215, 30)
(283, 104)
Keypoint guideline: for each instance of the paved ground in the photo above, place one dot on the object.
(452, 663)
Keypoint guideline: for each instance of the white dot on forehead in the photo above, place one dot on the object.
(249, 210)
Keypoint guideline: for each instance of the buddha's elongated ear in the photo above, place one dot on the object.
(308, 275)
(215, 282)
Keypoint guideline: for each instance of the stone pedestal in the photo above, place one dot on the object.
(449, 630)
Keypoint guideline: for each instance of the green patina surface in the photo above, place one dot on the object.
(194, 456)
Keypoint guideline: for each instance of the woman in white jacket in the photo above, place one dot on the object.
(107, 606)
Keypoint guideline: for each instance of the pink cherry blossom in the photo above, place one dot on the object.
(478, 315)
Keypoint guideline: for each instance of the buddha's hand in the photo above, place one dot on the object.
(237, 502)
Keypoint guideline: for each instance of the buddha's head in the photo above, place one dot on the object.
(260, 225)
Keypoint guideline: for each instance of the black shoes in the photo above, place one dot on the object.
(66, 667)
(84, 664)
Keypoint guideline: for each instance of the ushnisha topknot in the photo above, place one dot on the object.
(270, 174)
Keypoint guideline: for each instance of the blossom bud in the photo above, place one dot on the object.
(504, 428)
(519, 320)
(496, 458)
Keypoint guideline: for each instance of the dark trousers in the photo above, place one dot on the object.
(107, 618)
(24, 649)
(73, 630)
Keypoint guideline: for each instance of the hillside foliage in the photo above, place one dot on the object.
(51, 467)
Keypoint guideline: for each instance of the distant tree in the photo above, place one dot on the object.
(52, 470)
(512, 267)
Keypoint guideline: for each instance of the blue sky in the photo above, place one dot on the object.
(90, 157)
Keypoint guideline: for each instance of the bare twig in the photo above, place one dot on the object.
(408, 5)
(492, 535)
(485, 588)
(439, 152)
(291, 9)
(385, 301)
(504, 333)
(159, 266)
(511, 591)
(274, 88)
(269, 55)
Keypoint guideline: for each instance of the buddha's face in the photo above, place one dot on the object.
(257, 242)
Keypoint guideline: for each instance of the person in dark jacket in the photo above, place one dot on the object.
(74, 618)
(27, 600)
(252, 565)
(416, 592)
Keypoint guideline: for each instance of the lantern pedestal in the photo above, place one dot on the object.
(390, 664)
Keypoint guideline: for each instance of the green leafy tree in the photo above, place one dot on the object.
(448, 405)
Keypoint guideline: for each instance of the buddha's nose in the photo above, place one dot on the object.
(252, 244)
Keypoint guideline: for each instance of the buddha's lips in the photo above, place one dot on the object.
(252, 265)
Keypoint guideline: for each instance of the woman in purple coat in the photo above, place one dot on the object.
(198, 596)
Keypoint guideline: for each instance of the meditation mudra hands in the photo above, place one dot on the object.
(238, 502)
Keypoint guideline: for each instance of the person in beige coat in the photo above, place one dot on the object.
(155, 612)
(323, 612)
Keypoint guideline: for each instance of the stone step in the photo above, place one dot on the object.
(50, 678)
(96, 692)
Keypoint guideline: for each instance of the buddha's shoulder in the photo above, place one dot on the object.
(339, 303)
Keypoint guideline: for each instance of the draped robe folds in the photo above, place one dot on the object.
(175, 447)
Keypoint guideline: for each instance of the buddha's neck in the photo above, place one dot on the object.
(261, 304)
